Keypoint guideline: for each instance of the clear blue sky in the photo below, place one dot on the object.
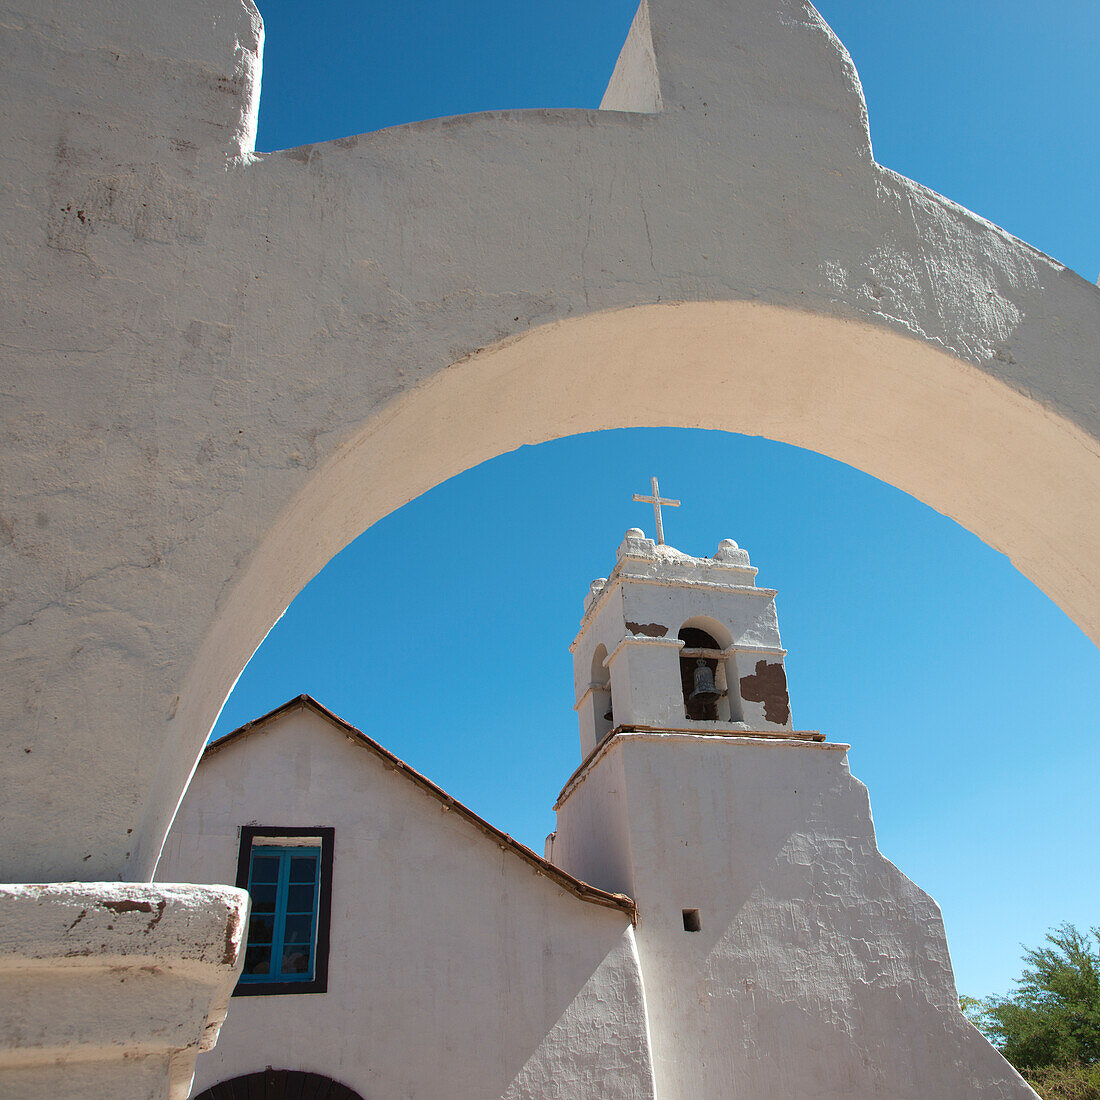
(969, 699)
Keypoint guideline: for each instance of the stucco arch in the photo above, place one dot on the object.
(220, 366)
(289, 346)
(1022, 479)
(718, 631)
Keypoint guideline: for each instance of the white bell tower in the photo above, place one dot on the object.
(677, 643)
(781, 954)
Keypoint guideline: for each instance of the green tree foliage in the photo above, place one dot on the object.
(1049, 1028)
(1066, 1082)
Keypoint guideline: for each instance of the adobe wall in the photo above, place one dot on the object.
(219, 367)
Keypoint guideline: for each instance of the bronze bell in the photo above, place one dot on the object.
(705, 691)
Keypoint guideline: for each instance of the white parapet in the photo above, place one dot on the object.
(112, 989)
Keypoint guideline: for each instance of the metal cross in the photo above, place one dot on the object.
(657, 500)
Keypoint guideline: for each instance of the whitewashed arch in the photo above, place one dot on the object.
(226, 366)
(1016, 476)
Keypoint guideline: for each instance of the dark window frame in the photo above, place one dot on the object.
(326, 834)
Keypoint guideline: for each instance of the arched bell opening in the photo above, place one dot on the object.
(603, 708)
(708, 672)
(702, 675)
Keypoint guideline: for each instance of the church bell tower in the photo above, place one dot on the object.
(678, 661)
(676, 643)
(781, 954)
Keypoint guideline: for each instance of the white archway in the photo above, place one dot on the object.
(225, 366)
(1023, 480)
(326, 332)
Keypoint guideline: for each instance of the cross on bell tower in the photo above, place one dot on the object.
(657, 500)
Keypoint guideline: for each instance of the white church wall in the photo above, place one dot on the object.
(599, 1046)
(648, 670)
(603, 619)
(223, 367)
(592, 840)
(749, 618)
(455, 968)
(819, 969)
(591, 721)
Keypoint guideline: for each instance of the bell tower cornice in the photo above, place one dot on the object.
(643, 561)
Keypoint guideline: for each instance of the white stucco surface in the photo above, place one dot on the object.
(816, 970)
(629, 638)
(111, 989)
(218, 368)
(782, 955)
(776, 952)
(456, 968)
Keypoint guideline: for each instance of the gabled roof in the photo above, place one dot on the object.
(542, 866)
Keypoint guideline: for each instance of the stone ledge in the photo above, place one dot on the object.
(133, 975)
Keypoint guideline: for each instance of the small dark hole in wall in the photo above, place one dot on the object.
(691, 921)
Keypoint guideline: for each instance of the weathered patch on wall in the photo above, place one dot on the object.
(768, 685)
(145, 203)
(649, 630)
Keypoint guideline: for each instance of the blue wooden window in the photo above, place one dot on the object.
(282, 930)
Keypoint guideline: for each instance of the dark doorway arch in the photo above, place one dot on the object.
(279, 1084)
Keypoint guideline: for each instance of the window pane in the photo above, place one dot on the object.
(303, 868)
(296, 959)
(263, 898)
(299, 929)
(257, 960)
(300, 899)
(264, 869)
(283, 884)
(261, 929)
